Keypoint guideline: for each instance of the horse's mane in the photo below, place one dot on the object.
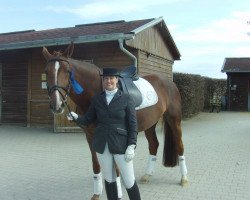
(79, 62)
(87, 65)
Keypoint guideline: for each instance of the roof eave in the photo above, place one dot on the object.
(147, 25)
(176, 53)
(233, 71)
(65, 41)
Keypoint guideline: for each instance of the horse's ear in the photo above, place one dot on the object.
(46, 53)
(69, 51)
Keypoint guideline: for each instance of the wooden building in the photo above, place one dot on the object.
(238, 83)
(23, 94)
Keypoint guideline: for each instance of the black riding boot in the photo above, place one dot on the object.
(134, 193)
(111, 190)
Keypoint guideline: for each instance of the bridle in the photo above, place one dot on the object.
(59, 88)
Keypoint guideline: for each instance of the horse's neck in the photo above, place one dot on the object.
(88, 76)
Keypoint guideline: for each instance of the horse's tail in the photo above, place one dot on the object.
(173, 146)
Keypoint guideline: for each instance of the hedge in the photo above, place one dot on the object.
(197, 91)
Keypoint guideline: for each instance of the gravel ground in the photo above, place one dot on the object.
(36, 164)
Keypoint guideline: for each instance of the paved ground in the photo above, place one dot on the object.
(36, 164)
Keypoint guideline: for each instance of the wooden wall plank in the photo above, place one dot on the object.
(151, 41)
(149, 64)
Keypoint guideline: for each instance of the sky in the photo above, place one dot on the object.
(205, 32)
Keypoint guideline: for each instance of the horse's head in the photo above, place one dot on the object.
(58, 77)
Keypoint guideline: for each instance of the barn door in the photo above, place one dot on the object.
(14, 93)
(249, 94)
(0, 93)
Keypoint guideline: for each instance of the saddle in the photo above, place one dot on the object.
(127, 76)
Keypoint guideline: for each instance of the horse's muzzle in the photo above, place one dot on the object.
(56, 109)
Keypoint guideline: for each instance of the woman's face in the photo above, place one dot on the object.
(110, 82)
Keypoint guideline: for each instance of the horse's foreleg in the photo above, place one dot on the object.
(97, 177)
(153, 144)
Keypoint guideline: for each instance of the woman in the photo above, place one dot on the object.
(115, 134)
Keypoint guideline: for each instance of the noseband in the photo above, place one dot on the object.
(58, 87)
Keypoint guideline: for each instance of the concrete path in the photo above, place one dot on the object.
(36, 164)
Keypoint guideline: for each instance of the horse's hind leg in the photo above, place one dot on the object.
(153, 145)
(183, 170)
(174, 124)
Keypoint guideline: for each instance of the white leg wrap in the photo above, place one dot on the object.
(97, 178)
(183, 167)
(119, 187)
(151, 165)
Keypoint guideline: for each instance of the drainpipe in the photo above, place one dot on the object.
(128, 53)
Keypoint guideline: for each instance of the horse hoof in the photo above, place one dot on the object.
(95, 197)
(184, 182)
(145, 178)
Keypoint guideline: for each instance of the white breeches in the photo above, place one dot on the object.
(106, 161)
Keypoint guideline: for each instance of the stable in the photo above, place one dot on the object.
(238, 83)
(145, 43)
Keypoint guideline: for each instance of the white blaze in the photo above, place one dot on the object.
(58, 100)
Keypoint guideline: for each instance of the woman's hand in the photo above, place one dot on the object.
(130, 153)
(72, 116)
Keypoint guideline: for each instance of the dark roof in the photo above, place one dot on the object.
(236, 65)
(95, 32)
(78, 30)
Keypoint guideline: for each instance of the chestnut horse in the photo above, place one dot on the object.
(59, 69)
